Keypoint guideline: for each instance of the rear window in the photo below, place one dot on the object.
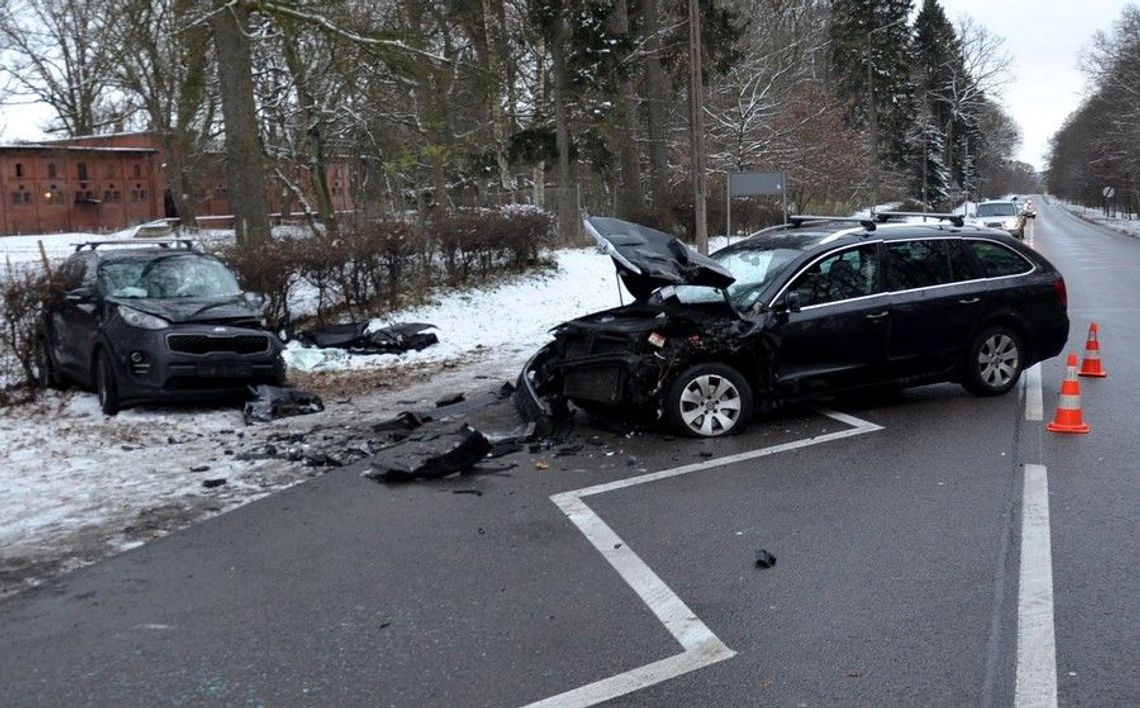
(998, 260)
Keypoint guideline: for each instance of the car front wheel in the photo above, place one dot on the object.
(993, 362)
(709, 400)
(106, 385)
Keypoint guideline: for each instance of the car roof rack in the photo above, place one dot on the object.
(955, 219)
(797, 220)
(186, 243)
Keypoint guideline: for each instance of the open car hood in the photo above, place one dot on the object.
(648, 259)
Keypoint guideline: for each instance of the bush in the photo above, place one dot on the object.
(270, 268)
(24, 294)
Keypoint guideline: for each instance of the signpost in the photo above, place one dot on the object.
(752, 184)
(1107, 193)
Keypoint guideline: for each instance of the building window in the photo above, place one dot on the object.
(51, 170)
(53, 197)
(21, 198)
(138, 171)
(82, 171)
(110, 171)
(19, 169)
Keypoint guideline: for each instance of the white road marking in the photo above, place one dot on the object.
(1034, 407)
(1036, 684)
(701, 646)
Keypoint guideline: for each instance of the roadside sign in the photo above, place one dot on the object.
(1108, 192)
(749, 184)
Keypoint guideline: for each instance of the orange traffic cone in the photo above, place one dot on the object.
(1090, 365)
(1068, 419)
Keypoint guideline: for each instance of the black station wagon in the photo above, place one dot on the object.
(141, 321)
(817, 305)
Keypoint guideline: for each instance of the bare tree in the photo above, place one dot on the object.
(58, 54)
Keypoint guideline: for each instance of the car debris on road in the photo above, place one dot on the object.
(358, 338)
(272, 402)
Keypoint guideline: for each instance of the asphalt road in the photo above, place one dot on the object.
(904, 559)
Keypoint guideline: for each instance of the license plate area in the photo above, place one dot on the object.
(235, 370)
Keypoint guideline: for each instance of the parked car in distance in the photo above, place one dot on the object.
(819, 305)
(148, 321)
(999, 214)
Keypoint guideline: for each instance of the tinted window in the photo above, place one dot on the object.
(997, 260)
(842, 276)
(961, 267)
(918, 264)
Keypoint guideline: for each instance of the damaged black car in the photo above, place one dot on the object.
(817, 305)
(154, 321)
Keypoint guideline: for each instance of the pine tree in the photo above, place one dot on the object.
(871, 60)
(930, 181)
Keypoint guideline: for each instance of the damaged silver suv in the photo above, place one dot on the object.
(817, 305)
(142, 321)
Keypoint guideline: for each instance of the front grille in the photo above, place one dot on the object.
(207, 344)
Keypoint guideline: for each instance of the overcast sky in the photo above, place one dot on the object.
(1043, 37)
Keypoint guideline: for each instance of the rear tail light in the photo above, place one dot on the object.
(1062, 293)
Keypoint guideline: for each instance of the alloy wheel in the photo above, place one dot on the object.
(998, 360)
(710, 405)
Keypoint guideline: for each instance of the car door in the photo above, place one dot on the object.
(838, 336)
(936, 299)
(75, 321)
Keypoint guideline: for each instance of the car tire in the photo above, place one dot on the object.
(709, 400)
(106, 384)
(993, 362)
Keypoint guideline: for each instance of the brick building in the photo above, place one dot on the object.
(109, 182)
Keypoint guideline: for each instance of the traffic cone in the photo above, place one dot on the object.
(1068, 418)
(1090, 365)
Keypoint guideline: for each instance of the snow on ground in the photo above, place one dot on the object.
(77, 485)
(1130, 227)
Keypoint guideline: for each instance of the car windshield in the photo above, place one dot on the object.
(171, 276)
(999, 209)
(753, 268)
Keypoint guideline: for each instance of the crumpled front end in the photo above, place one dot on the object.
(624, 359)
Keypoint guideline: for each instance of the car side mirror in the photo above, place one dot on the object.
(79, 295)
(790, 302)
(256, 300)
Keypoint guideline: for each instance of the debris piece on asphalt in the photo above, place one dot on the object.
(444, 409)
(450, 400)
(430, 457)
(764, 559)
(475, 492)
(200, 468)
(272, 402)
(211, 483)
(568, 450)
(705, 453)
(541, 465)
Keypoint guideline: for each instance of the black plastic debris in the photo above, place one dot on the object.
(272, 402)
(211, 483)
(355, 337)
(764, 559)
(430, 457)
(449, 407)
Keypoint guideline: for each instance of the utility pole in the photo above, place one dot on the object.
(872, 125)
(697, 128)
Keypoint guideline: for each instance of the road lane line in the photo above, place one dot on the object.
(1034, 407)
(1036, 684)
(701, 646)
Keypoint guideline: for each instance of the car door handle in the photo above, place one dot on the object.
(969, 301)
(877, 315)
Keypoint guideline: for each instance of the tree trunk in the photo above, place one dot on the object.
(245, 164)
(631, 198)
(495, 95)
(655, 95)
(567, 207)
(314, 138)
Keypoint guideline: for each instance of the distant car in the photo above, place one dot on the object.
(999, 214)
(815, 306)
(154, 321)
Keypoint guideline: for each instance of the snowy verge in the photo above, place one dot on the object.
(1128, 227)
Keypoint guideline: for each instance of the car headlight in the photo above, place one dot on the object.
(141, 319)
(1010, 223)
